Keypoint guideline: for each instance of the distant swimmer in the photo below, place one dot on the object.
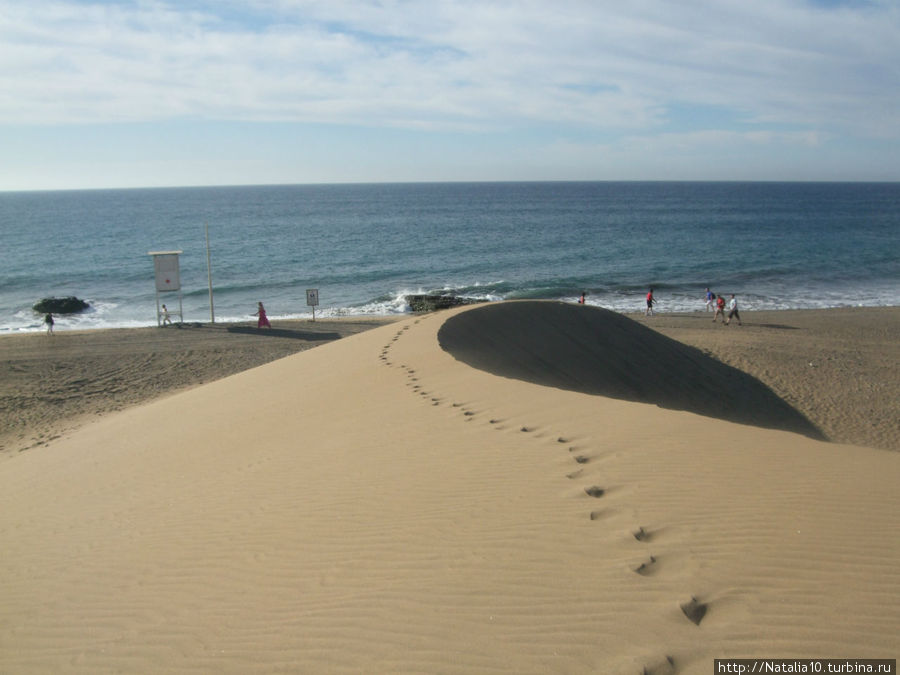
(650, 301)
(733, 311)
(263, 319)
(710, 299)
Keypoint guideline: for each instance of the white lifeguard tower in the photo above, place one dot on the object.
(168, 280)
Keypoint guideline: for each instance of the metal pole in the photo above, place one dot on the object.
(212, 315)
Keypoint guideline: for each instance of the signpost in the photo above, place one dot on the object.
(212, 314)
(168, 279)
(312, 300)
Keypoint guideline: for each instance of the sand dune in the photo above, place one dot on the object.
(377, 505)
(49, 386)
(597, 351)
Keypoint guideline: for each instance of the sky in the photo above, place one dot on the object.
(152, 93)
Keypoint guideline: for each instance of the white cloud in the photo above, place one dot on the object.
(451, 65)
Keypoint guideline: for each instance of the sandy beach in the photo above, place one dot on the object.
(522, 487)
(838, 367)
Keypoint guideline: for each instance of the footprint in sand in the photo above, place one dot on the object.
(694, 610)
(665, 666)
(646, 568)
(595, 491)
(642, 535)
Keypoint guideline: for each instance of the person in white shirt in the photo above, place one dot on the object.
(733, 311)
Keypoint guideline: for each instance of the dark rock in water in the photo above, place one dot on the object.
(70, 305)
(429, 303)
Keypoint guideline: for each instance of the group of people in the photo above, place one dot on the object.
(261, 321)
(716, 303)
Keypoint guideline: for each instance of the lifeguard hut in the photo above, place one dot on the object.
(168, 280)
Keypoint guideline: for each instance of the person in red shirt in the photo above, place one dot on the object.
(720, 308)
(650, 301)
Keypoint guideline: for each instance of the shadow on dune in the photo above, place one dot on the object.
(596, 351)
(284, 333)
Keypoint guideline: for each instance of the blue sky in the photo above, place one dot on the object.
(130, 93)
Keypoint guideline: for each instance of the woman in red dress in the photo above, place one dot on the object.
(263, 319)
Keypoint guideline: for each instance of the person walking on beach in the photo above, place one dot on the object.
(48, 319)
(710, 299)
(720, 308)
(165, 316)
(650, 301)
(733, 311)
(263, 319)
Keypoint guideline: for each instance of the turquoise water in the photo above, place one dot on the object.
(776, 245)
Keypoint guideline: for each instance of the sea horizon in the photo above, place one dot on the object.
(200, 186)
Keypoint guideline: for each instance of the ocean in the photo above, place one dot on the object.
(777, 246)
